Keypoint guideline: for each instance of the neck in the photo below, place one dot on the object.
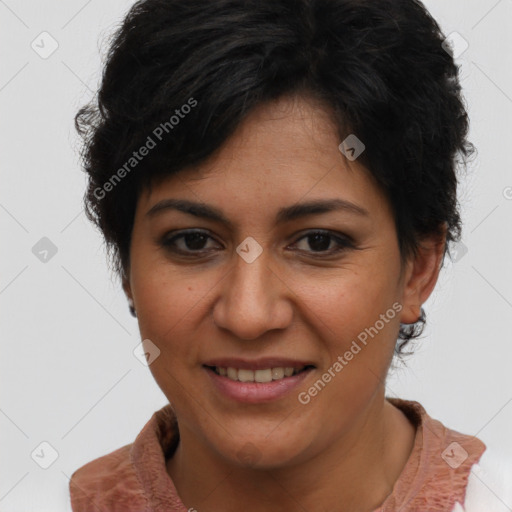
(358, 471)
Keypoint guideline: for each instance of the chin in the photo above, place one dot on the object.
(263, 453)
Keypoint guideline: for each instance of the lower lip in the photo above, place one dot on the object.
(256, 392)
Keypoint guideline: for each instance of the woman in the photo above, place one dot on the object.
(276, 182)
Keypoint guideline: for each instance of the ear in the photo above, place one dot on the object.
(421, 274)
(126, 285)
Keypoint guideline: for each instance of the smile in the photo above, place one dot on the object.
(251, 382)
(261, 375)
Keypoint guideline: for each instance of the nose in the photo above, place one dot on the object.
(253, 299)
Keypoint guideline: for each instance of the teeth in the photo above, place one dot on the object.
(277, 373)
(266, 375)
(263, 375)
(245, 375)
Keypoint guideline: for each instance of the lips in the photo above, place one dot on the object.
(256, 382)
(258, 379)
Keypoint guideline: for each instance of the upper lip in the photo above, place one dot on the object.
(257, 364)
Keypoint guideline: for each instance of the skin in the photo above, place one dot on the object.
(348, 445)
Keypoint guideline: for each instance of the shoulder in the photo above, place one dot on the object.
(108, 483)
(489, 485)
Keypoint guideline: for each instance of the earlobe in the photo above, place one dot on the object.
(421, 276)
(411, 314)
(126, 287)
(128, 292)
(132, 307)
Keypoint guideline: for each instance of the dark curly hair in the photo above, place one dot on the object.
(181, 75)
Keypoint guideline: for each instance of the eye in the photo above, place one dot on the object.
(188, 242)
(195, 243)
(324, 242)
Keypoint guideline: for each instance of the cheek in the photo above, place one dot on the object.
(356, 319)
(350, 302)
(173, 301)
(171, 305)
(166, 294)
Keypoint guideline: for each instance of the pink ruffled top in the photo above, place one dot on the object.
(134, 478)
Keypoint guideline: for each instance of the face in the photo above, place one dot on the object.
(267, 285)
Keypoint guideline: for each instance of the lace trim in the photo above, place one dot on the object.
(436, 474)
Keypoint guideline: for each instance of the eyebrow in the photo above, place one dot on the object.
(285, 214)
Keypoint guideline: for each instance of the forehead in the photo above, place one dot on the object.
(283, 152)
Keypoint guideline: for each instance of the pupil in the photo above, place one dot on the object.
(316, 246)
(195, 237)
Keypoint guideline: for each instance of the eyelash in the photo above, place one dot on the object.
(343, 243)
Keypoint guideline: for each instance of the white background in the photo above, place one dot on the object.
(68, 374)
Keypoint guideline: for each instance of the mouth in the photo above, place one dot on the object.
(260, 375)
(257, 381)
